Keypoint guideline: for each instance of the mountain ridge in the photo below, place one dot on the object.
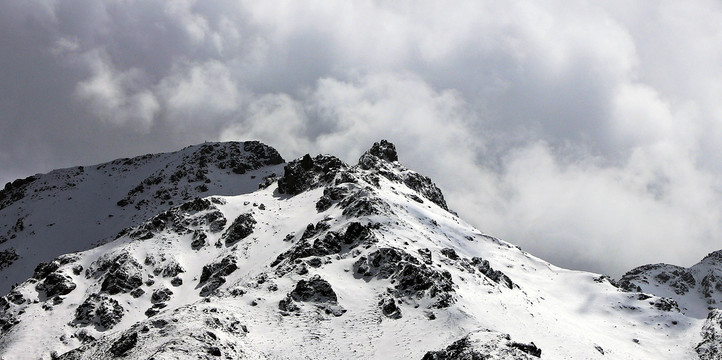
(330, 260)
(65, 210)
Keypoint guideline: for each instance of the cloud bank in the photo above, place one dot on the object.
(587, 133)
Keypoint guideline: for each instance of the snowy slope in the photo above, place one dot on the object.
(78, 208)
(331, 262)
(697, 289)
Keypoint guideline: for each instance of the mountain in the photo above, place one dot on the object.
(75, 209)
(326, 261)
(697, 289)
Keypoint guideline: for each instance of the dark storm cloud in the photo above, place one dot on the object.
(572, 129)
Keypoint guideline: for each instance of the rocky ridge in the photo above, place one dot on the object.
(327, 260)
(46, 215)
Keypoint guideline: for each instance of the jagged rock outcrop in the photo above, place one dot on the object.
(308, 173)
(411, 277)
(214, 275)
(39, 212)
(99, 310)
(241, 227)
(697, 289)
(315, 290)
(710, 348)
(485, 344)
(328, 260)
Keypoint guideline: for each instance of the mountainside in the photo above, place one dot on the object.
(75, 209)
(697, 289)
(331, 261)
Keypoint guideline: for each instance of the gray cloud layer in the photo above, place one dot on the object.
(585, 132)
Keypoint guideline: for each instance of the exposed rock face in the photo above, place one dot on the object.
(99, 310)
(411, 277)
(124, 344)
(7, 257)
(194, 332)
(485, 344)
(213, 275)
(382, 150)
(316, 290)
(14, 191)
(122, 273)
(710, 348)
(308, 173)
(161, 295)
(317, 241)
(679, 279)
(240, 228)
(180, 219)
(56, 284)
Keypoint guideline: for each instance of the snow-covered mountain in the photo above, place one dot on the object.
(332, 261)
(697, 289)
(44, 216)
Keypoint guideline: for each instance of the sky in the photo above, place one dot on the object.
(586, 132)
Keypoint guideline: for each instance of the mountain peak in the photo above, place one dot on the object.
(384, 150)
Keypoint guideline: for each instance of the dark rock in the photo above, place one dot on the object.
(426, 256)
(45, 268)
(308, 173)
(530, 348)
(316, 290)
(383, 151)
(485, 344)
(8, 257)
(287, 305)
(172, 269)
(196, 205)
(240, 228)
(84, 337)
(666, 304)
(360, 206)
(212, 285)
(426, 188)
(123, 273)
(330, 196)
(389, 308)
(495, 275)
(607, 278)
(331, 243)
(199, 240)
(710, 348)
(14, 191)
(100, 310)
(215, 220)
(137, 293)
(161, 295)
(56, 284)
(219, 269)
(450, 253)
(679, 279)
(176, 281)
(410, 276)
(214, 351)
(126, 342)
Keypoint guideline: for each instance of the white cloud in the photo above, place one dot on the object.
(115, 96)
(569, 128)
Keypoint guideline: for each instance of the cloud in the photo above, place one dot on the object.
(572, 129)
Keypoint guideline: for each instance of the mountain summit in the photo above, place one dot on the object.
(327, 260)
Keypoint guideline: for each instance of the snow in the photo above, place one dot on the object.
(567, 314)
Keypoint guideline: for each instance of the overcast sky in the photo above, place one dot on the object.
(587, 132)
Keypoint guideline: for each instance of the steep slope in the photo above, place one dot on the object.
(697, 289)
(75, 209)
(330, 261)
